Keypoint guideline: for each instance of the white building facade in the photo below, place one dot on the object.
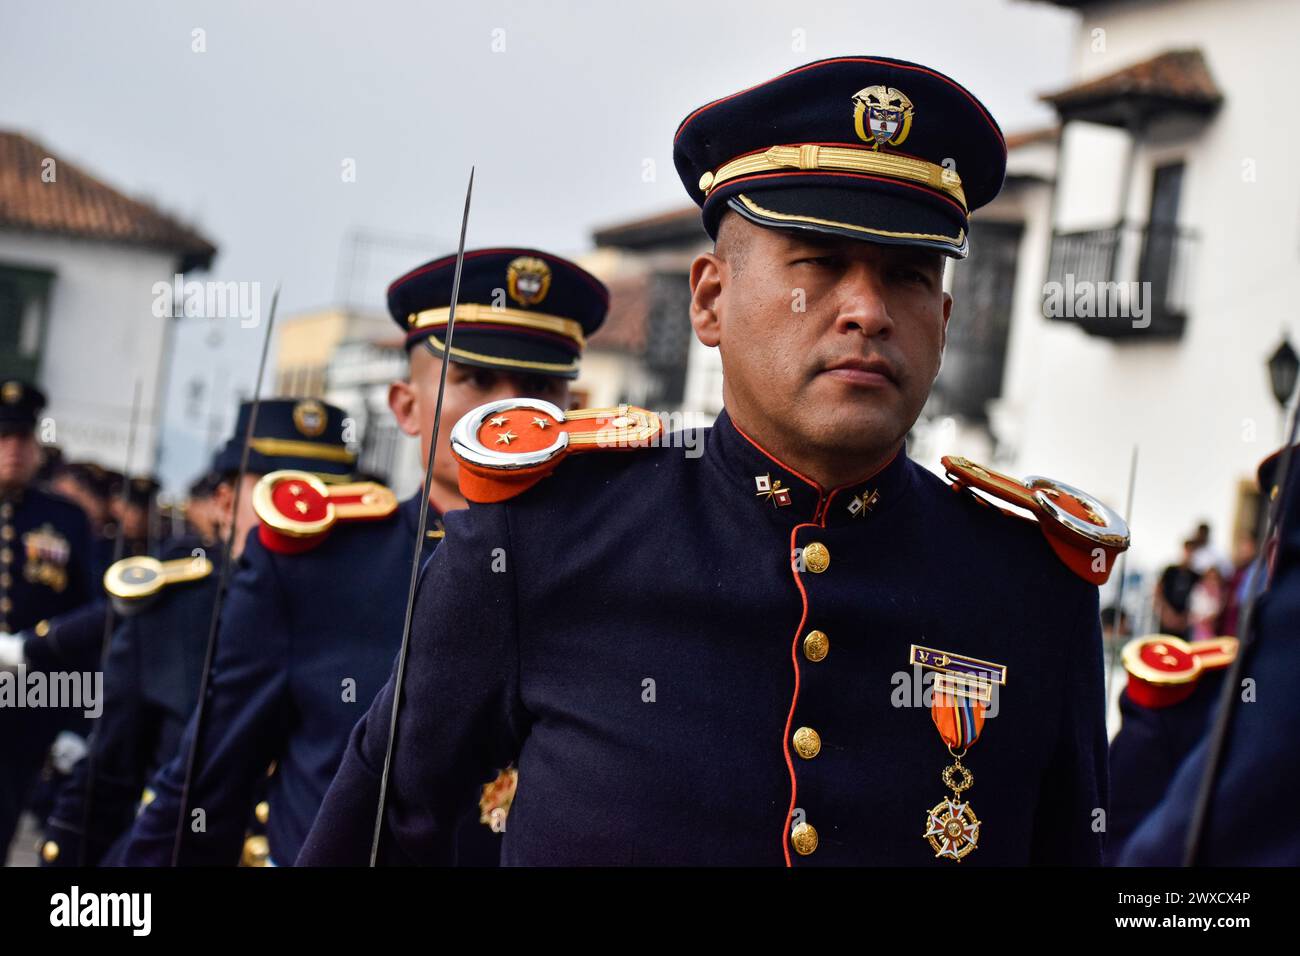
(1192, 199)
(79, 266)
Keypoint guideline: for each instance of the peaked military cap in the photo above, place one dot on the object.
(298, 433)
(1269, 471)
(861, 146)
(113, 482)
(141, 489)
(204, 486)
(94, 478)
(520, 310)
(20, 403)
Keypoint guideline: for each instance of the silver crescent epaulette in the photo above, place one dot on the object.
(1085, 534)
(506, 447)
(134, 583)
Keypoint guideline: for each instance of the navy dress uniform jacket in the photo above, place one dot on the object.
(305, 643)
(45, 559)
(629, 633)
(45, 562)
(151, 683)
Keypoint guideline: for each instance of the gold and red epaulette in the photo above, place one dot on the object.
(1088, 536)
(296, 510)
(506, 447)
(1164, 670)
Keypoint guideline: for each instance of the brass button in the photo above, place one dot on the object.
(7, 532)
(816, 557)
(262, 811)
(42, 628)
(816, 646)
(6, 555)
(807, 743)
(804, 839)
(6, 605)
(257, 852)
(50, 851)
(6, 579)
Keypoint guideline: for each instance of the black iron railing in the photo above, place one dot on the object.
(1124, 281)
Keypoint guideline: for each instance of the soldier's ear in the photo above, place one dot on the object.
(947, 314)
(404, 401)
(706, 290)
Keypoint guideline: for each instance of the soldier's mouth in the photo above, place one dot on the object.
(865, 373)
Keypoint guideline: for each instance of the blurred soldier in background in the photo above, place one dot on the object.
(45, 567)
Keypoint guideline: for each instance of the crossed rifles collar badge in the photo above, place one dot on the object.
(963, 687)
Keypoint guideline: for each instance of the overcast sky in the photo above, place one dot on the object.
(559, 104)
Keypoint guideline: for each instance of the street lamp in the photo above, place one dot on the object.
(1283, 369)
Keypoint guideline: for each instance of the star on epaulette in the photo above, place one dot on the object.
(296, 510)
(495, 466)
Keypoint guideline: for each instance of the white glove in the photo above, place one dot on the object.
(66, 750)
(11, 651)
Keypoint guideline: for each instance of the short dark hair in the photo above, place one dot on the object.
(732, 244)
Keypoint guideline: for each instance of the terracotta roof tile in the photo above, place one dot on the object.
(79, 205)
(1175, 76)
(1048, 134)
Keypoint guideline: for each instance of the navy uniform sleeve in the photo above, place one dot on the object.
(460, 718)
(74, 641)
(120, 749)
(1146, 753)
(81, 587)
(246, 721)
(1259, 775)
(1067, 829)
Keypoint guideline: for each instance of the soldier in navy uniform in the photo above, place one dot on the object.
(74, 641)
(136, 511)
(157, 650)
(1173, 687)
(202, 512)
(777, 641)
(1250, 822)
(44, 572)
(87, 484)
(316, 609)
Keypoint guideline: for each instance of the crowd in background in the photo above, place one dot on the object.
(1201, 596)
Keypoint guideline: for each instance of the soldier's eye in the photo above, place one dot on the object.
(912, 276)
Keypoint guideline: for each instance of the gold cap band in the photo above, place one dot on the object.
(302, 449)
(473, 312)
(811, 156)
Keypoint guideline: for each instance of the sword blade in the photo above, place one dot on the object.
(200, 709)
(419, 536)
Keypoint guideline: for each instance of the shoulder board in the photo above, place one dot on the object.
(1085, 534)
(506, 447)
(296, 510)
(1164, 670)
(133, 583)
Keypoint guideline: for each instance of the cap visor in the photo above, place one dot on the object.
(521, 353)
(873, 213)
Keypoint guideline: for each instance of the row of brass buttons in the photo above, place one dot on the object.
(807, 742)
